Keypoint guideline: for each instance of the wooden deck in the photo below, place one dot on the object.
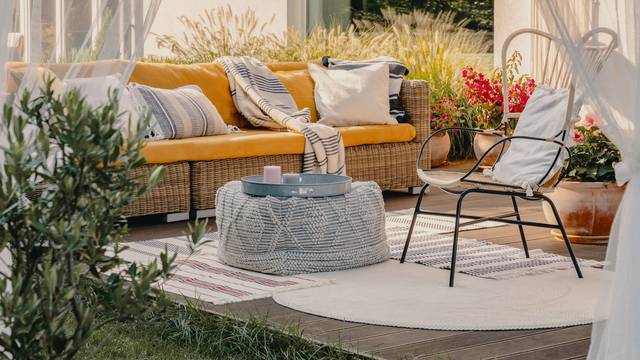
(400, 343)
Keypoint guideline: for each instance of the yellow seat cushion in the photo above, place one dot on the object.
(252, 142)
(376, 134)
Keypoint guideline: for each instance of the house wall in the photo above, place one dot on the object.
(509, 16)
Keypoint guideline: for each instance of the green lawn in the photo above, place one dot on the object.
(184, 332)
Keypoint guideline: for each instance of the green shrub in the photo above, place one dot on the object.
(66, 180)
(593, 155)
(478, 13)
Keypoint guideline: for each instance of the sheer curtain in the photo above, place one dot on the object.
(615, 95)
(70, 40)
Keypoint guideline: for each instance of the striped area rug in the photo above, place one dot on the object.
(202, 276)
(431, 247)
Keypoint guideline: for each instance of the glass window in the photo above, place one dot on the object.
(328, 12)
(77, 23)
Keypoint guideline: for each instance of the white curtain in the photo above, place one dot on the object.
(615, 95)
(70, 39)
(84, 39)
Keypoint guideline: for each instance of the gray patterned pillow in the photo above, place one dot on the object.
(179, 113)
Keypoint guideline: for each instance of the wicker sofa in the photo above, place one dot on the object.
(196, 168)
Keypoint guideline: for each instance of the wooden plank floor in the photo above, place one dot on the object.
(401, 343)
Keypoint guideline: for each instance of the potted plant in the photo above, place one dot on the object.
(484, 103)
(587, 198)
(443, 114)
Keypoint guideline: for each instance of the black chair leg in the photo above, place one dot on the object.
(564, 236)
(520, 227)
(456, 232)
(413, 223)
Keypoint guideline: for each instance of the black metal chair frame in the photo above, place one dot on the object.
(555, 73)
(513, 192)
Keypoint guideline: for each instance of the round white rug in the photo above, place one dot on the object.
(415, 296)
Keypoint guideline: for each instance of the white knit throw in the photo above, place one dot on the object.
(262, 98)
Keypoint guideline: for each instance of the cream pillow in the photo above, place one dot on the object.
(352, 97)
(96, 91)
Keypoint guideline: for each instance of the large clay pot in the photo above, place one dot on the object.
(587, 210)
(439, 147)
(482, 142)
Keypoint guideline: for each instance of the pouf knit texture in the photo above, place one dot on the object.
(301, 235)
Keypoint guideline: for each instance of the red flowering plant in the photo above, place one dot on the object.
(483, 92)
(479, 103)
(445, 113)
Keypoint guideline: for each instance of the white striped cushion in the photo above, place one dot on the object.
(179, 113)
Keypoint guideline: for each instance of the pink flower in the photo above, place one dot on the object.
(589, 121)
(577, 136)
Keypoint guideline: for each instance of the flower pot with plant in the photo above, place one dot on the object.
(484, 103)
(443, 115)
(587, 198)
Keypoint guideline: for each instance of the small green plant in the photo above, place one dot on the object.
(66, 181)
(593, 155)
(189, 332)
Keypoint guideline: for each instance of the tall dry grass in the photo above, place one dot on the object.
(434, 47)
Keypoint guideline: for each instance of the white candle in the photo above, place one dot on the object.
(272, 175)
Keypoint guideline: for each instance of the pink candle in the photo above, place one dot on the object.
(272, 175)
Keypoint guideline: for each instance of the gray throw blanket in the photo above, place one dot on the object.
(262, 98)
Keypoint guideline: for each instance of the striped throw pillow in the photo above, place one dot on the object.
(179, 113)
(397, 71)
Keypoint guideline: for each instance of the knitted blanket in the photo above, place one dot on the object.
(262, 98)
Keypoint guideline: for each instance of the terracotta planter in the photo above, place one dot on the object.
(587, 210)
(439, 147)
(482, 143)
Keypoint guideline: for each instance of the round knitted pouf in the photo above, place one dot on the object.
(301, 235)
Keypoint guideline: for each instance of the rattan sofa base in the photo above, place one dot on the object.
(170, 195)
(390, 165)
(208, 176)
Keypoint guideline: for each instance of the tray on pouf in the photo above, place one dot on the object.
(299, 185)
(295, 235)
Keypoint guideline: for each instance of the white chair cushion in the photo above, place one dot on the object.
(526, 162)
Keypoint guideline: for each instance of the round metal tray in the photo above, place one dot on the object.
(298, 185)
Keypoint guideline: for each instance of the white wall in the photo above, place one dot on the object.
(167, 23)
(509, 16)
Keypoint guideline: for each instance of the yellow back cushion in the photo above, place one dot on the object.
(212, 79)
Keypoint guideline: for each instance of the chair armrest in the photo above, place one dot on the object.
(415, 96)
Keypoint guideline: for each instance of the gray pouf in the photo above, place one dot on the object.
(301, 235)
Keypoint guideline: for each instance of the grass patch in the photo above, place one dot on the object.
(187, 332)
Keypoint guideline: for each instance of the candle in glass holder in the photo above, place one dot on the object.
(272, 175)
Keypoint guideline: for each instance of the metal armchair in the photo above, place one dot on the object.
(554, 73)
